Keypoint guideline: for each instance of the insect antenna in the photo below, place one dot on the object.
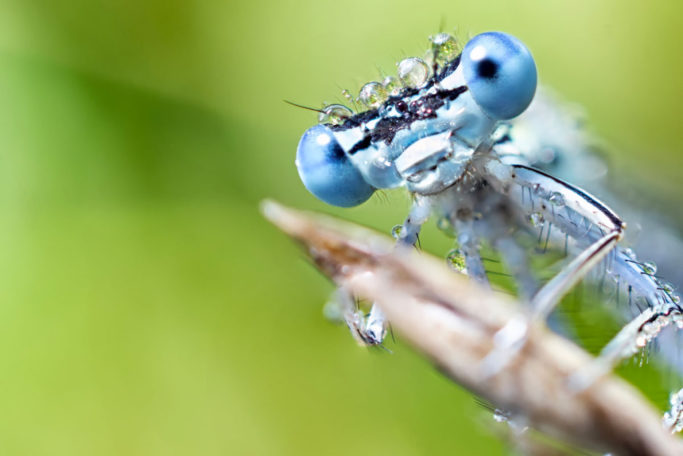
(302, 106)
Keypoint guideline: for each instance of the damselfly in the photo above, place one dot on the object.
(454, 132)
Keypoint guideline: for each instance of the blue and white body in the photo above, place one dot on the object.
(451, 138)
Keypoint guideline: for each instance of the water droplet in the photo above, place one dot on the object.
(413, 72)
(673, 419)
(536, 219)
(501, 131)
(649, 268)
(500, 416)
(641, 341)
(556, 199)
(373, 94)
(443, 223)
(445, 226)
(629, 253)
(332, 311)
(347, 96)
(334, 114)
(666, 287)
(428, 58)
(676, 299)
(396, 231)
(392, 86)
(444, 47)
(456, 260)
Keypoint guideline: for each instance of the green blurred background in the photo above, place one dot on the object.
(145, 306)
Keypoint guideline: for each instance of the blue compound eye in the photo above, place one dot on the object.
(327, 172)
(500, 73)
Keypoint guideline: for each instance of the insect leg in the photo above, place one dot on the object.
(551, 293)
(469, 245)
(373, 328)
(353, 316)
(630, 339)
(572, 211)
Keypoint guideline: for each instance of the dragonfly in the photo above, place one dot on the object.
(460, 133)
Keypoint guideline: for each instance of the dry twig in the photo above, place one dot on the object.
(452, 322)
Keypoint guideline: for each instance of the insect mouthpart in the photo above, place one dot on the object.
(433, 163)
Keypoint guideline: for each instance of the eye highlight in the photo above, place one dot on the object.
(327, 172)
(500, 73)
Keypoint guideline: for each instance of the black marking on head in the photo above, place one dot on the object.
(357, 120)
(420, 108)
(454, 93)
(337, 153)
(362, 144)
(487, 69)
(398, 101)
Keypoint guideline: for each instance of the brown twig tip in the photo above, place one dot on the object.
(453, 322)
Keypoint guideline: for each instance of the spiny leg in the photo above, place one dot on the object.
(633, 337)
(567, 208)
(342, 306)
(372, 328)
(511, 338)
(549, 198)
(590, 222)
(549, 296)
(662, 311)
(469, 246)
